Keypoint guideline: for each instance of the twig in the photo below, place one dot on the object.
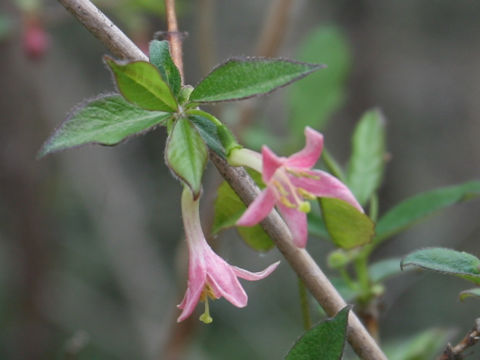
(299, 259)
(455, 352)
(174, 36)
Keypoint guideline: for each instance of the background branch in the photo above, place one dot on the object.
(455, 352)
(299, 259)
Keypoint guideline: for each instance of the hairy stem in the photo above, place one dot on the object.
(299, 259)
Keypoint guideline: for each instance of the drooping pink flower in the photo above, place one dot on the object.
(209, 276)
(290, 183)
(35, 38)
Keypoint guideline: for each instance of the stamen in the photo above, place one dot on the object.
(205, 317)
(306, 194)
(280, 188)
(303, 174)
(287, 202)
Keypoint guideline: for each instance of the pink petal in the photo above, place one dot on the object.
(258, 209)
(297, 223)
(254, 276)
(270, 163)
(309, 155)
(224, 282)
(196, 282)
(322, 184)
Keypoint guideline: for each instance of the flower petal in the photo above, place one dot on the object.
(197, 277)
(322, 184)
(224, 282)
(258, 209)
(254, 276)
(297, 223)
(270, 163)
(309, 155)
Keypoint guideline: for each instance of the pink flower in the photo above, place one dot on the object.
(35, 39)
(289, 183)
(209, 276)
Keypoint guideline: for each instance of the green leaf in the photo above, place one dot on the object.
(208, 132)
(243, 78)
(229, 208)
(325, 341)
(106, 120)
(422, 346)
(447, 261)
(384, 269)
(314, 99)
(347, 226)
(186, 154)
(412, 210)
(141, 84)
(475, 292)
(365, 170)
(160, 57)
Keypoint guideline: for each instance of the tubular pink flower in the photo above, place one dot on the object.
(290, 183)
(209, 276)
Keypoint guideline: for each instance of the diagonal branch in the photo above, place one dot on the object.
(299, 259)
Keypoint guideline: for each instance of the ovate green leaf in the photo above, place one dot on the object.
(314, 99)
(412, 210)
(347, 226)
(325, 341)
(159, 52)
(244, 78)
(186, 154)
(106, 120)
(475, 292)
(365, 170)
(141, 83)
(447, 261)
(229, 208)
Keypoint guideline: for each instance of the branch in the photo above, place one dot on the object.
(299, 259)
(455, 352)
(174, 36)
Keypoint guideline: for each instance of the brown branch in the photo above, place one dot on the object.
(174, 36)
(299, 259)
(455, 352)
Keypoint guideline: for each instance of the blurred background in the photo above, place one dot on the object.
(92, 256)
